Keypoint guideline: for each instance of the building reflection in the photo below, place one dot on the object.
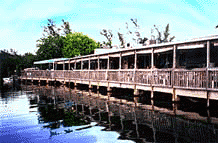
(62, 106)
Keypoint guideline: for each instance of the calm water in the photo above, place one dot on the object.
(50, 114)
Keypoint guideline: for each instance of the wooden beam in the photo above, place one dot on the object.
(208, 54)
(152, 58)
(98, 64)
(174, 56)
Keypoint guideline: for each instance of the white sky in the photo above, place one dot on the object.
(22, 21)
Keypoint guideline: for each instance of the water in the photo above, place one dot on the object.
(49, 114)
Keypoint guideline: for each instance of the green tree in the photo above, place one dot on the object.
(165, 35)
(50, 47)
(52, 43)
(108, 35)
(76, 44)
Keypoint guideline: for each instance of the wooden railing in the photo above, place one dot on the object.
(191, 78)
(201, 78)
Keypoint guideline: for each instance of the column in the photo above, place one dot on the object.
(208, 65)
(135, 65)
(120, 62)
(152, 58)
(109, 91)
(174, 56)
(98, 63)
(208, 54)
(75, 65)
(69, 65)
(136, 95)
(90, 89)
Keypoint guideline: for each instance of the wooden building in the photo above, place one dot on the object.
(180, 68)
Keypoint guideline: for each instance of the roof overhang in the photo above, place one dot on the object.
(50, 61)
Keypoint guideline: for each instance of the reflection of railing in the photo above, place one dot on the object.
(196, 78)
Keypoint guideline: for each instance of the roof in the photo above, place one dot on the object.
(51, 61)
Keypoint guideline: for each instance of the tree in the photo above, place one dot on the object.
(50, 47)
(136, 35)
(76, 44)
(121, 38)
(165, 34)
(52, 43)
(108, 35)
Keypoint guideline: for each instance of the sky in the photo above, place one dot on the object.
(22, 21)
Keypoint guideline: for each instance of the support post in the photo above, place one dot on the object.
(108, 66)
(208, 65)
(75, 65)
(152, 58)
(90, 89)
(208, 54)
(98, 63)
(120, 60)
(69, 65)
(136, 95)
(109, 90)
(135, 65)
(81, 65)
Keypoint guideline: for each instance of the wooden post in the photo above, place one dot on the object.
(208, 54)
(135, 65)
(98, 63)
(109, 90)
(75, 65)
(152, 58)
(136, 94)
(108, 66)
(174, 57)
(81, 65)
(120, 62)
(90, 89)
(208, 64)
(69, 65)
(174, 96)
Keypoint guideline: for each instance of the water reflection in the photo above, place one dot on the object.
(64, 107)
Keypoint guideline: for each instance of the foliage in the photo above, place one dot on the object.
(108, 35)
(135, 33)
(166, 35)
(76, 44)
(12, 61)
(50, 47)
(52, 43)
(121, 38)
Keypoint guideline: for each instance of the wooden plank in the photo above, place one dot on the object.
(191, 46)
(145, 51)
(163, 49)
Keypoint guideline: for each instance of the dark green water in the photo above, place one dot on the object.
(50, 114)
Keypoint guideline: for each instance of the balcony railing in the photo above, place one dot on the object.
(197, 78)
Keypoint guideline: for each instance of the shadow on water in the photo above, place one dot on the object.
(66, 107)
